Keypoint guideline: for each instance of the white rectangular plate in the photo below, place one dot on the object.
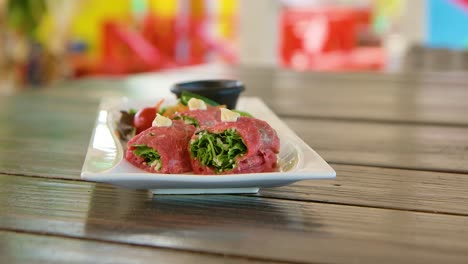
(105, 163)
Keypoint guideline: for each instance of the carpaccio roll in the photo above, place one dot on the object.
(248, 145)
(200, 118)
(162, 149)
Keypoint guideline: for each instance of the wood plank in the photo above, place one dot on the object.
(357, 185)
(232, 225)
(370, 102)
(385, 188)
(38, 132)
(363, 99)
(31, 116)
(435, 148)
(32, 157)
(33, 248)
(214, 70)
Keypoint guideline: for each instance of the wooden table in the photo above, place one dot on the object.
(399, 144)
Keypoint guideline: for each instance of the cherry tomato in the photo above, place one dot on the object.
(144, 118)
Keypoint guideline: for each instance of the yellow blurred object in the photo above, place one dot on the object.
(389, 8)
(87, 24)
(225, 23)
(164, 8)
(84, 24)
(79, 25)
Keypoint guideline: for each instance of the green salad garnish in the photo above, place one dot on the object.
(188, 120)
(132, 111)
(149, 155)
(163, 110)
(242, 113)
(186, 96)
(218, 151)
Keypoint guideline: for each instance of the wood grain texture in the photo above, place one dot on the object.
(385, 188)
(43, 135)
(435, 148)
(33, 248)
(232, 225)
(363, 99)
(445, 77)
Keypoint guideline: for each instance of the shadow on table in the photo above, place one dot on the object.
(117, 211)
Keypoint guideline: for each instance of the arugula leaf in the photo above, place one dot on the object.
(242, 113)
(149, 155)
(163, 110)
(186, 96)
(218, 150)
(188, 120)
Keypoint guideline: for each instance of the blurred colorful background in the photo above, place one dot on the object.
(42, 41)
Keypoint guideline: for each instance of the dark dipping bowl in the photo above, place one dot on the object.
(225, 92)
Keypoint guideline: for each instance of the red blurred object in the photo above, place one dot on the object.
(126, 51)
(200, 43)
(160, 44)
(161, 32)
(462, 3)
(326, 39)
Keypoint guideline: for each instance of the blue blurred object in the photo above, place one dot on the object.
(77, 46)
(447, 24)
